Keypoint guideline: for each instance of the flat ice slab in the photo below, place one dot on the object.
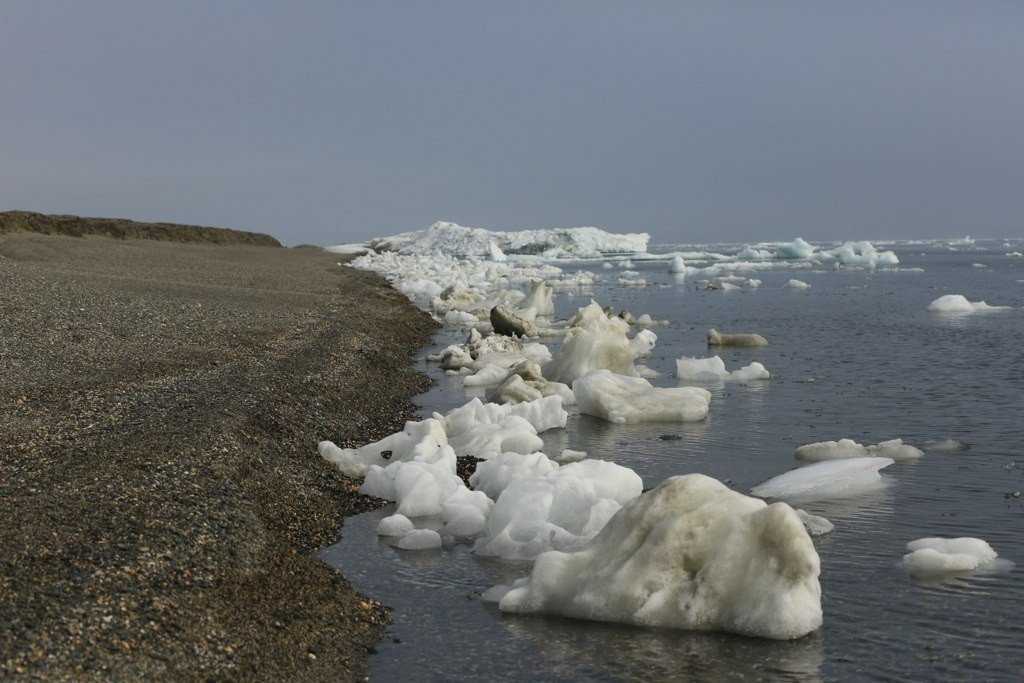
(826, 480)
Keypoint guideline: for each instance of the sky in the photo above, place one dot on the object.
(329, 122)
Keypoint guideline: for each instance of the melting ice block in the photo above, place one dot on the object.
(958, 303)
(622, 399)
(562, 510)
(422, 438)
(713, 370)
(797, 249)
(826, 480)
(797, 284)
(595, 341)
(848, 448)
(935, 557)
(690, 554)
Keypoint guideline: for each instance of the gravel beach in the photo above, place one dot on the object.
(161, 491)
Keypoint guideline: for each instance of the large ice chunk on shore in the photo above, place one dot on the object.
(826, 480)
(562, 510)
(595, 341)
(690, 554)
(712, 369)
(848, 448)
(417, 439)
(936, 557)
(622, 399)
(958, 303)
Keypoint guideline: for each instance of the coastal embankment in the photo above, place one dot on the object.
(162, 494)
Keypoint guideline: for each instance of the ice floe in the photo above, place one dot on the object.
(716, 338)
(623, 399)
(834, 479)
(690, 554)
(712, 369)
(797, 284)
(958, 303)
(938, 557)
(848, 448)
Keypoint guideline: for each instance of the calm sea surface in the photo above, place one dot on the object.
(857, 355)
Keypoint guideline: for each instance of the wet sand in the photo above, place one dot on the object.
(162, 496)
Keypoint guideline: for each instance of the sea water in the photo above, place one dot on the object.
(856, 355)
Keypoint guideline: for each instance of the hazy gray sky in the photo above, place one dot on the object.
(331, 121)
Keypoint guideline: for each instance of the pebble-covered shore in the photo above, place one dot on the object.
(161, 490)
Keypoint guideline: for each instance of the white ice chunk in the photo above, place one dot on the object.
(594, 342)
(958, 303)
(569, 455)
(797, 249)
(643, 343)
(622, 399)
(690, 554)
(815, 525)
(848, 448)
(834, 479)
(678, 265)
(934, 557)
(797, 284)
(493, 476)
(420, 539)
(712, 369)
(562, 510)
(422, 438)
(394, 525)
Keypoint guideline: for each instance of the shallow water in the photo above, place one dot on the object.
(857, 355)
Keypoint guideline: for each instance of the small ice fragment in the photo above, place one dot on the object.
(420, 539)
(935, 557)
(569, 455)
(797, 284)
(394, 525)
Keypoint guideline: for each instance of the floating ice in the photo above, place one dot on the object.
(677, 265)
(594, 342)
(569, 455)
(562, 510)
(826, 480)
(395, 525)
(716, 338)
(643, 343)
(958, 303)
(797, 284)
(622, 399)
(935, 557)
(815, 525)
(797, 249)
(862, 254)
(945, 446)
(712, 369)
(689, 554)
(979, 265)
(420, 539)
(848, 448)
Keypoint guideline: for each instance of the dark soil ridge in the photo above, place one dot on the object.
(122, 228)
(162, 495)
